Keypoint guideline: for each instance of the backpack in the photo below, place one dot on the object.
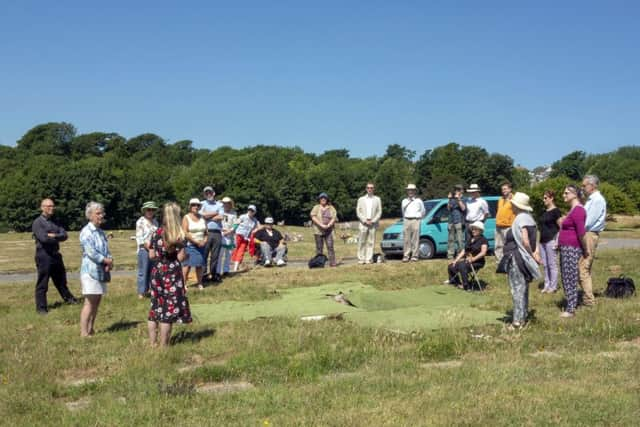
(620, 287)
(318, 261)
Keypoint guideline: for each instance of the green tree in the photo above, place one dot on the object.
(49, 138)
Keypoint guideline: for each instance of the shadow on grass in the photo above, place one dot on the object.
(192, 336)
(508, 317)
(122, 325)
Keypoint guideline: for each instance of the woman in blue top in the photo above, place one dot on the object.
(95, 270)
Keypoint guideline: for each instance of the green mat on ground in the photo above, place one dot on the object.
(430, 307)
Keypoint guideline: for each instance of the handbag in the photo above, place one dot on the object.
(620, 287)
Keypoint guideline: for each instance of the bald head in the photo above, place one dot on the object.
(47, 207)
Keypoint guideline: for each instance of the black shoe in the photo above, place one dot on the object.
(217, 278)
(72, 301)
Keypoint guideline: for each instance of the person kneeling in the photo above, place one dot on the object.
(472, 256)
(272, 245)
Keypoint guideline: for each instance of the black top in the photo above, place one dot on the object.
(475, 246)
(41, 227)
(549, 225)
(272, 240)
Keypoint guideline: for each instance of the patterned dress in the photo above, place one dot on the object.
(169, 302)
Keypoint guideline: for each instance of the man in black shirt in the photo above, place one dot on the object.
(272, 244)
(47, 234)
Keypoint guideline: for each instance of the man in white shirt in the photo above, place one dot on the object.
(477, 208)
(596, 207)
(369, 211)
(412, 213)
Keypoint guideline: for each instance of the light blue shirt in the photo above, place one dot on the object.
(246, 225)
(596, 208)
(95, 248)
(212, 207)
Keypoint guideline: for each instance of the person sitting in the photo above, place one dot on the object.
(272, 246)
(472, 256)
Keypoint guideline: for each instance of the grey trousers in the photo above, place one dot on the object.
(268, 253)
(519, 292)
(456, 239)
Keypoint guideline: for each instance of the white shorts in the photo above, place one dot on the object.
(91, 286)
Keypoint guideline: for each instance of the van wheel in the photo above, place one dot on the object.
(426, 249)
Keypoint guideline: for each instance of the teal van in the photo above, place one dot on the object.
(434, 234)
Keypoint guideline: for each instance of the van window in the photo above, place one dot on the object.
(442, 214)
(493, 207)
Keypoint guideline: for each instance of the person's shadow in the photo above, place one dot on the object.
(192, 336)
(122, 325)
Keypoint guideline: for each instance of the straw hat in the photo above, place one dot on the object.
(268, 220)
(148, 205)
(473, 188)
(228, 199)
(252, 208)
(478, 224)
(521, 201)
(411, 187)
(194, 201)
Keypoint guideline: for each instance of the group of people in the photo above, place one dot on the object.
(522, 244)
(212, 237)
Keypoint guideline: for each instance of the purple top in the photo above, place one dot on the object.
(572, 228)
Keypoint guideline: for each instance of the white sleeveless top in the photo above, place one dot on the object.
(196, 228)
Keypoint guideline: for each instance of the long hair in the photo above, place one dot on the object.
(173, 232)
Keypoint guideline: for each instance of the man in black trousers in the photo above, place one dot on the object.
(47, 233)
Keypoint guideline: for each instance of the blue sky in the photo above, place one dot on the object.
(535, 80)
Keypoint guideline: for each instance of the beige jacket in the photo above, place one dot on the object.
(361, 210)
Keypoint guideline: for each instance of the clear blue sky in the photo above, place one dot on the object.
(534, 81)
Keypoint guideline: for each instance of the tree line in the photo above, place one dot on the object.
(53, 160)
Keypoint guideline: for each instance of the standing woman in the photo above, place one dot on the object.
(169, 302)
(549, 227)
(247, 224)
(572, 246)
(324, 216)
(95, 269)
(520, 257)
(195, 231)
(229, 217)
(145, 226)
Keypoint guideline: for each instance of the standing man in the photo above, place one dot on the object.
(596, 208)
(504, 218)
(457, 209)
(412, 213)
(48, 233)
(213, 212)
(477, 209)
(369, 211)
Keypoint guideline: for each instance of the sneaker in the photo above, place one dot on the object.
(267, 263)
(361, 262)
(567, 314)
(280, 263)
(405, 259)
(446, 282)
(72, 301)
(414, 259)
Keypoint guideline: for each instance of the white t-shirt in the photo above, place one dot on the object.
(477, 210)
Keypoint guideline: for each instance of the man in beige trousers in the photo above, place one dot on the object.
(596, 207)
(412, 214)
(369, 210)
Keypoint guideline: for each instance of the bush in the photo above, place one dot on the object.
(618, 202)
(557, 185)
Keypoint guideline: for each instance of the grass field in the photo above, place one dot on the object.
(280, 370)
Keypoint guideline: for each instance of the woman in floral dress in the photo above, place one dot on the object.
(169, 302)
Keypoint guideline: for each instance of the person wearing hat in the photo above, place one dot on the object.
(145, 226)
(195, 231)
(246, 226)
(323, 217)
(212, 211)
(520, 257)
(272, 246)
(369, 210)
(412, 213)
(229, 217)
(471, 257)
(477, 208)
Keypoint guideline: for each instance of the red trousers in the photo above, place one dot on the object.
(241, 247)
